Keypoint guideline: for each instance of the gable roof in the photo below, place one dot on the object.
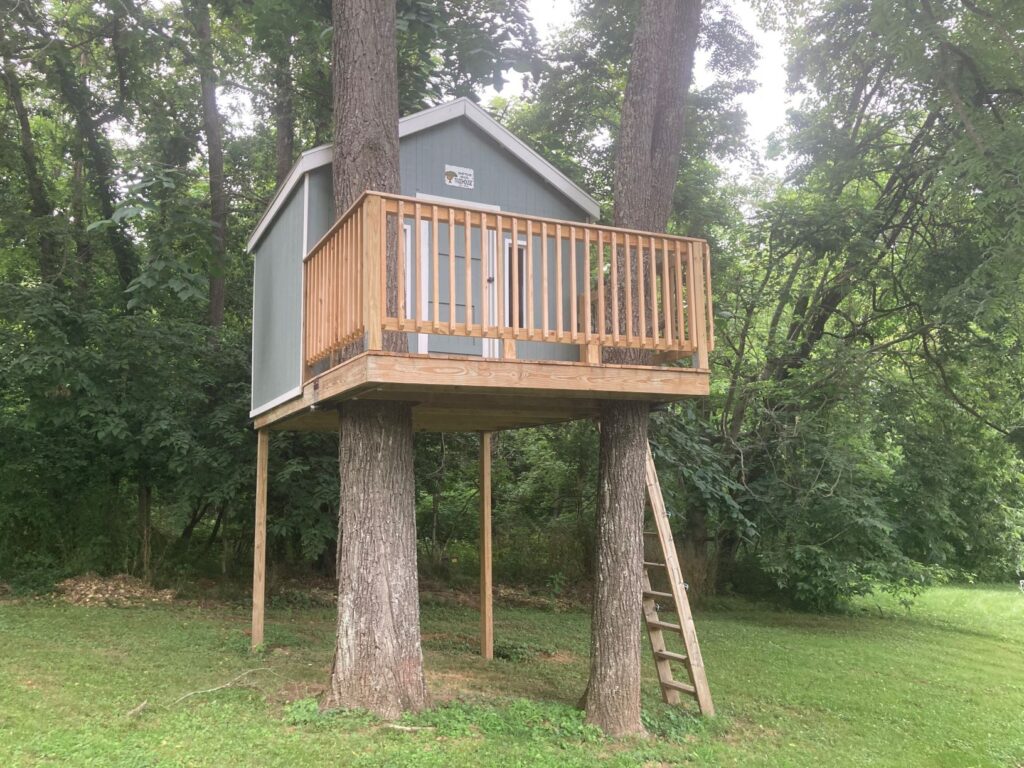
(421, 121)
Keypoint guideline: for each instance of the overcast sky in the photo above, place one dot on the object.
(766, 107)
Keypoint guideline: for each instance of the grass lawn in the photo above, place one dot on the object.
(941, 686)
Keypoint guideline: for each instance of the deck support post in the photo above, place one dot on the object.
(700, 356)
(374, 284)
(486, 596)
(259, 549)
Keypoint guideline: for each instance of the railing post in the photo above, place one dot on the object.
(700, 356)
(373, 263)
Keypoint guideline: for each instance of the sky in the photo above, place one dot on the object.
(765, 107)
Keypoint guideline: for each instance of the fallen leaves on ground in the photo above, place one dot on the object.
(120, 590)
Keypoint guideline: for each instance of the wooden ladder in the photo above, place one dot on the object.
(656, 628)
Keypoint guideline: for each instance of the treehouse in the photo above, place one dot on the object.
(507, 297)
(485, 295)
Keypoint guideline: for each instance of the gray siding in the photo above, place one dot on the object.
(500, 179)
(277, 306)
(321, 204)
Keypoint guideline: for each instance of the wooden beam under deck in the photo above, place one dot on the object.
(466, 394)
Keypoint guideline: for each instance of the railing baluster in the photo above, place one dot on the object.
(666, 293)
(691, 315)
(500, 287)
(332, 305)
(529, 319)
(544, 278)
(513, 256)
(318, 341)
(382, 264)
(435, 246)
(629, 289)
(707, 297)
(419, 280)
(355, 278)
(573, 289)
(602, 325)
(587, 310)
(485, 268)
(681, 325)
(559, 298)
(615, 290)
(452, 288)
(641, 265)
(652, 266)
(401, 265)
(467, 272)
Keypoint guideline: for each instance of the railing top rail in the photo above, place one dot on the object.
(469, 206)
(356, 204)
(514, 214)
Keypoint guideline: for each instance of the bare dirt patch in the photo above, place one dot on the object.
(121, 590)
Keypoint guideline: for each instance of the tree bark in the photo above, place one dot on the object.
(145, 497)
(40, 206)
(378, 659)
(646, 168)
(213, 130)
(284, 114)
(613, 693)
(378, 662)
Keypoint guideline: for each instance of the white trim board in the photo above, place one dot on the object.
(421, 121)
(291, 393)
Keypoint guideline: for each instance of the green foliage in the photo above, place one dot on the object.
(864, 428)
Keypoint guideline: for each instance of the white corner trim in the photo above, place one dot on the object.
(291, 393)
(421, 121)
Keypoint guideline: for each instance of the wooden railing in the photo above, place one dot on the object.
(394, 263)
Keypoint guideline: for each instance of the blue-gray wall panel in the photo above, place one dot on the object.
(277, 306)
(321, 204)
(499, 178)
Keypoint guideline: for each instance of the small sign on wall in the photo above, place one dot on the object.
(456, 176)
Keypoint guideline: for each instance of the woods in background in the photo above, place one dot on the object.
(866, 426)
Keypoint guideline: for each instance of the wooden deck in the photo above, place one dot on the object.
(466, 394)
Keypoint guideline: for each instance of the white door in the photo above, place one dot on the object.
(488, 262)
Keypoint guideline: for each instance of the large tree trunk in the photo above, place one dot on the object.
(99, 156)
(284, 114)
(613, 693)
(646, 167)
(145, 498)
(213, 131)
(40, 206)
(378, 660)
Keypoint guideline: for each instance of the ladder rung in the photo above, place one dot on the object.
(662, 595)
(670, 656)
(663, 625)
(654, 565)
(650, 533)
(678, 686)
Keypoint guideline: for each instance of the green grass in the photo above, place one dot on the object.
(940, 686)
